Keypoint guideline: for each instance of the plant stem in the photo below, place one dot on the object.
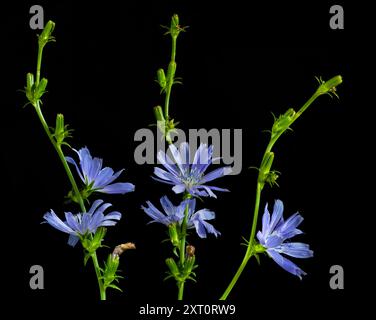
(249, 252)
(102, 290)
(235, 278)
(181, 290)
(182, 250)
(170, 80)
(61, 156)
(67, 169)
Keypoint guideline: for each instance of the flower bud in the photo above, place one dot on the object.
(175, 20)
(283, 122)
(174, 237)
(41, 89)
(171, 71)
(330, 85)
(29, 81)
(171, 264)
(161, 77)
(158, 113)
(267, 162)
(46, 34)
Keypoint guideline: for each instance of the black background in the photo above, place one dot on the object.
(239, 63)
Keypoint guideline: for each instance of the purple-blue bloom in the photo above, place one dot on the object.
(198, 220)
(275, 231)
(187, 175)
(82, 224)
(97, 178)
(175, 214)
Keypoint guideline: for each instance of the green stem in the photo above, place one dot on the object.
(249, 252)
(61, 156)
(39, 64)
(235, 278)
(102, 290)
(67, 170)
(182, 250)
(170, 80)
(181, 290)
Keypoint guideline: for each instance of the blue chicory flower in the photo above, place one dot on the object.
(189, 176)
(82, 224)
(198, 220)
(275, 231)
(97, 178)
(175, 214)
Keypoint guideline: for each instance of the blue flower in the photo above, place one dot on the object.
(275, 231)
(81, 224)
(175, 214)
(189, 176)
(198, 220)
(97, 178)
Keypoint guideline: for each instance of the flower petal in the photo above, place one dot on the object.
(177, 157)
(94, 206)
(220, 172)
(286, 264)
(154, 213)
(72, 222)
(276, 216)
(205, 214)
(103, 178)
(72, 161)
(273, 241)
(53, 220)
(185, 155)
(265, 222)
(296, 250)
(85, 160)
(165, 175)
(179, 188)
(73, 239)
(165, 160)
(167, 206)
(288, 229)
(118, 188)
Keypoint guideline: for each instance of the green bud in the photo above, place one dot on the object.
(283, 122)
(161, 77)
(267, 162)
(109, 272)
(189, 266)
(171, 264)
(265, 173)
(41, 89)
(59, 123)
(175, 20)
(30, 88)
(46, 35)
(158, 114)
(174, 237)
(329, 86)
(171, 70)
(29, 81)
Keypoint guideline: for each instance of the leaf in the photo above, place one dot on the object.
(114, 287)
